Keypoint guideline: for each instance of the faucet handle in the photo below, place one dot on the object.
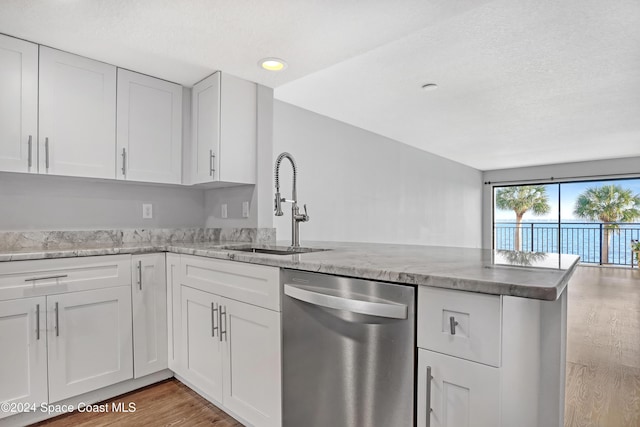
(306, 216)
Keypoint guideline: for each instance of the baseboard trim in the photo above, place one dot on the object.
(92, 397)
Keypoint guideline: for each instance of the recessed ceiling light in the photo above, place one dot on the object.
(430, 86)
(272, 64)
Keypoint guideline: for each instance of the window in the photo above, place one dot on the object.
(597, 220)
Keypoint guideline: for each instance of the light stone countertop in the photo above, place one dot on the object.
(527, 275)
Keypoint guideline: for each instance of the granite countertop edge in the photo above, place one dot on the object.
(305, 262)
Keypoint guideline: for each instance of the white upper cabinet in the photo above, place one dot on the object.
(77, 115)
(18, 105)
(224, 112)
(149, 129)
(205, 135)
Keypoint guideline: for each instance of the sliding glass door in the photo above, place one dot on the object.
(526, 218)
(597, 220)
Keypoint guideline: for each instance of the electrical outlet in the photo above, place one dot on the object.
(147, 210)
(223, 214)
(245, 209)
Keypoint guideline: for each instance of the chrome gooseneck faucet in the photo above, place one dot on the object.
(296, 216)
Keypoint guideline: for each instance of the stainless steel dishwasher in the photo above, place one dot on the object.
(348, 352)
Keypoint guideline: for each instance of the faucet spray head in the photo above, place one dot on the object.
(278, 205)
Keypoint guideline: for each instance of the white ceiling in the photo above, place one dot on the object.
(186, 40)
(522, 82)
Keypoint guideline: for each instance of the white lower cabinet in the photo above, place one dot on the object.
(495, 361)
(459, 393)
(231, 353)
(96, 321)
(89, 340)
(201, 359)
(72, 335)
(229, 350)
(251, 363)
(173, 309)
(23, 358)
(149, 298)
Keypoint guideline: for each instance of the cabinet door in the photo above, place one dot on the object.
(23, 359)
(173, 311)
(149, 296)
(77, 115)
(252, 363)
(90, 343)
(463, 393)
(18, 105)
(205, 134)
(238, 130)
(201, 360)
(149, 129)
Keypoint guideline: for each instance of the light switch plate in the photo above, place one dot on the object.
(245, 209)
(223, 212)
(147, 211)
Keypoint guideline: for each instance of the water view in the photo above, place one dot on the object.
(584, 239)
(596, 220)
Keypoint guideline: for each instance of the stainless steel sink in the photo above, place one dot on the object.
(275, 250)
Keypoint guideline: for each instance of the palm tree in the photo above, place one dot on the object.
(609, 204)
(522, 258)
(522, 199)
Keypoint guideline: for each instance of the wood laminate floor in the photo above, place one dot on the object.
(169, 403)
(603, 366)
(603, 348)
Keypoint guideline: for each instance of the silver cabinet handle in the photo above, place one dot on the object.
(38, 322)
(140, 274)
(429, 410)
(124, 162)
(33, 279)
(57, 322)
(223, 314)
(46, 153)
(214, 311)
(392, 311)
(211, 161)
(30, 155)
(452, 325)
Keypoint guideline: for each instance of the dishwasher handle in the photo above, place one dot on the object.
(389, 310)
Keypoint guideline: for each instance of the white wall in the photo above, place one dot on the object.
(263, 206)
(32, 202)
(363, 187)
(563, 172)
(233, 198)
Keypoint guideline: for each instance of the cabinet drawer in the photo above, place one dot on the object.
(254, 284)
(478, 325)
(22, 279)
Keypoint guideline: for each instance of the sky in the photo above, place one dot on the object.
(570, 192)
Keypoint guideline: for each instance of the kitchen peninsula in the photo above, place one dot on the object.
(490, 329)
